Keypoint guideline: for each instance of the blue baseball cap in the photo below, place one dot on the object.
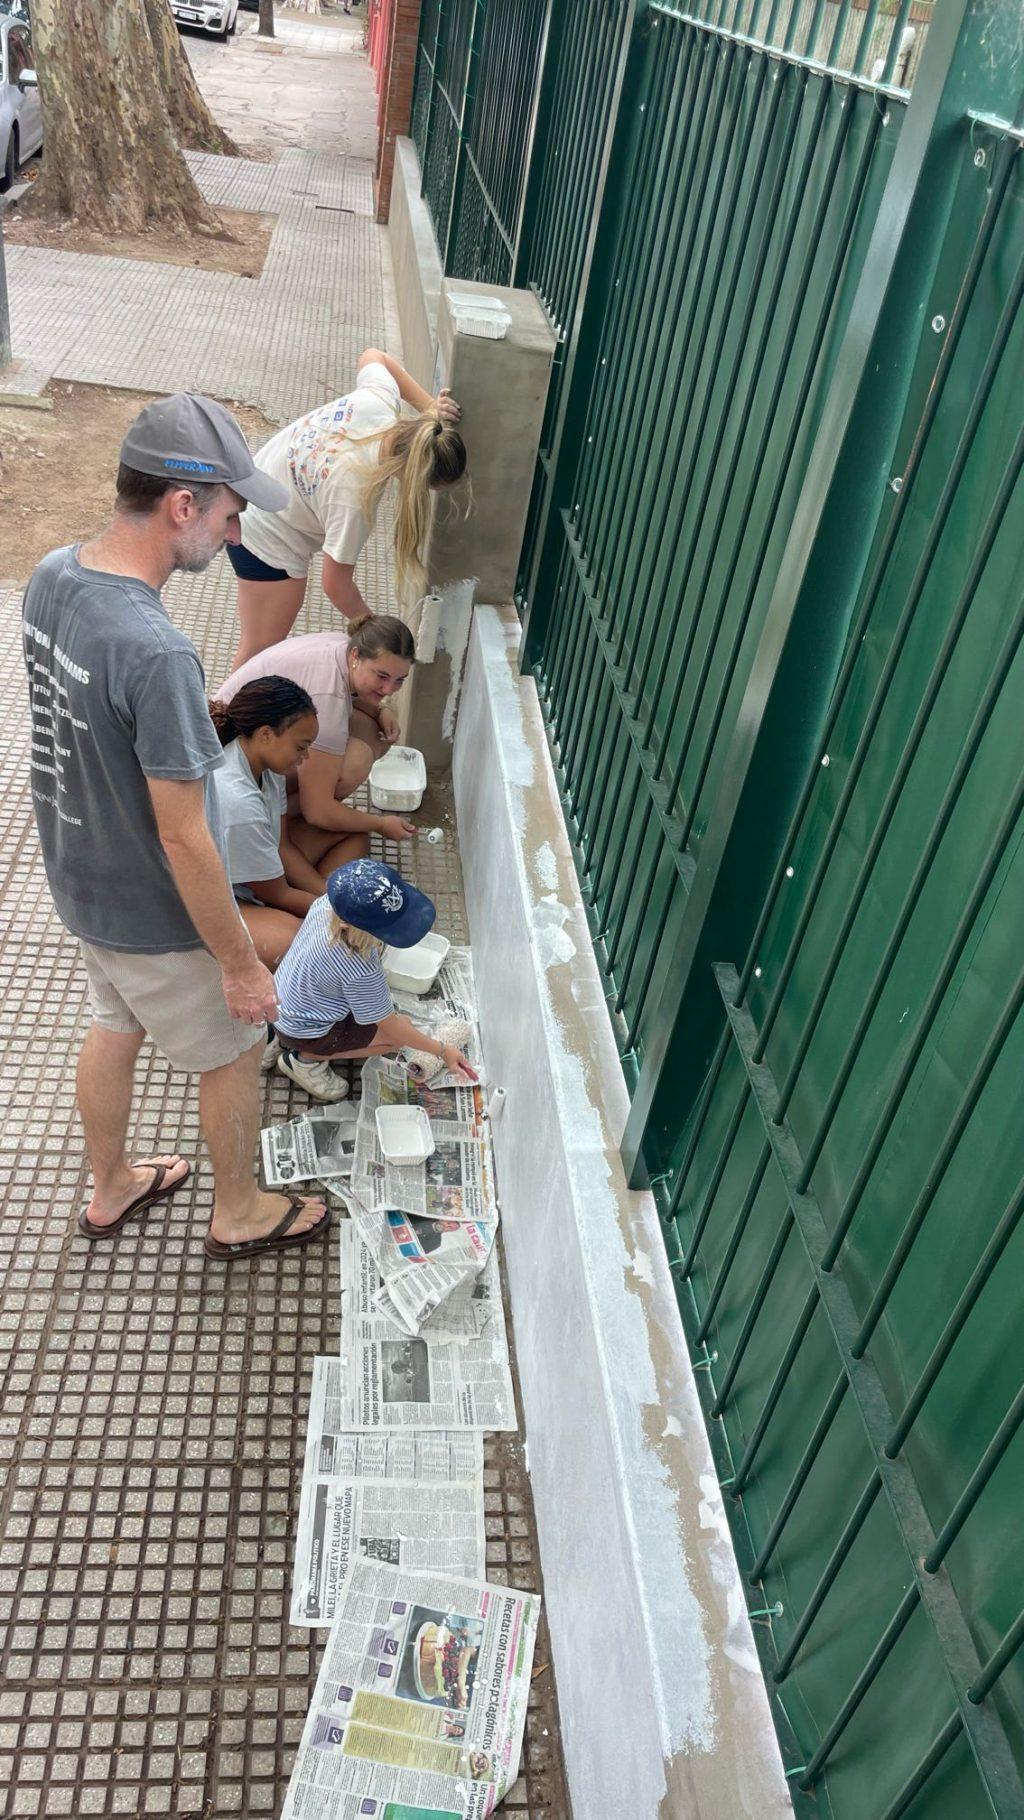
(376, 898)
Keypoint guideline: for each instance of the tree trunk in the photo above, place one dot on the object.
(266, 26)
(193, 123)
(111, 160)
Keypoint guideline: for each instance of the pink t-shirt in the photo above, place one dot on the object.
(319, 664)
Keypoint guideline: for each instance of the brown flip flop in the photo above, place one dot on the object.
(277, 1240)
(155, 1192)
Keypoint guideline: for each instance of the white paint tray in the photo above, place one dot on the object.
(398, 780)
(415, 969)
(404, 1134)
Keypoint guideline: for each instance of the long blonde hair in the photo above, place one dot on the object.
(420, 453)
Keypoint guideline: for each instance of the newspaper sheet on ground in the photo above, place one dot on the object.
(309, 1149)
(333, 1453)
(466, 1314)
(391, 1381)
(415, 1500)
(454, 1112)
(451, 996)
(422, 1262)
(425, 1527)
(455, 1183)
(453, 993)
(427, 1679)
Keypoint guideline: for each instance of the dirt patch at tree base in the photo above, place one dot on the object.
(242, 251)
(57, 467)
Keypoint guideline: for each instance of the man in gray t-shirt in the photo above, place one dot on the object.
(122, 752)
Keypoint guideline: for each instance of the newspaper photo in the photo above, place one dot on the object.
(454, 1112)
(333, 1453)
(390, 1381)
(426, 1526)
(422, 1262)
(309, 1149)
(455, 1182)
(427, 1677)
(418, 1295)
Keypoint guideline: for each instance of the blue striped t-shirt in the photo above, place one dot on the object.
(320, 982)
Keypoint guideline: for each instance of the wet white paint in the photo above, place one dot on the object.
(592, 1302)
(554, 944)
(546, 866)
(673, 1617)
(738, 1641)
(453, 626)
(643, 1266)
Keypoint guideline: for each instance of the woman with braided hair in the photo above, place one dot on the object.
(336, 464)
(266, 731)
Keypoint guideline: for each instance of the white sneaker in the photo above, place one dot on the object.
(270, 1055)
(316, 1077)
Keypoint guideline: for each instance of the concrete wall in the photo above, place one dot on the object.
(663, 1709)
(416, 263)
(502, 387)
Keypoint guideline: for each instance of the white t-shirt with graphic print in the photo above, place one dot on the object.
(324, 472)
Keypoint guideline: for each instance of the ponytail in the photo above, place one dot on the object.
(422, 453)
(269, 701)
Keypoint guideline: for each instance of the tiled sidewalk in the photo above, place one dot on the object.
(154, 1405)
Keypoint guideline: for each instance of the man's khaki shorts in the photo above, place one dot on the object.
(175, 998)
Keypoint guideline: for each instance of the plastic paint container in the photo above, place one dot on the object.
(415, 969)
(398, 780)
(404, 1134)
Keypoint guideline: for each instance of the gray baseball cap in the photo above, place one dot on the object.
(188, 437)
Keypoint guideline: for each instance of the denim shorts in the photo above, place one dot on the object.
(252, 568)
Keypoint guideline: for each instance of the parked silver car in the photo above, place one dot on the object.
(217, 16)
(21, 117)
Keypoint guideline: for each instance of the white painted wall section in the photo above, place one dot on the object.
(662, 1705)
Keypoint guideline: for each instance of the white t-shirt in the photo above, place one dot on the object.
(250, 814)
(325, 473)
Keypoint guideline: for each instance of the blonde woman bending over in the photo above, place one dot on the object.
(335, 465)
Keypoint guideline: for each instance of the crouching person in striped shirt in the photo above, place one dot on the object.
(333, 997)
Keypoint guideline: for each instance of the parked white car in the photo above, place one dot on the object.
(217, 16)
(21, 117)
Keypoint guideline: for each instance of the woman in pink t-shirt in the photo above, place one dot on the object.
(349, 678)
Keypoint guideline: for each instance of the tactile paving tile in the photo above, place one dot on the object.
(282, 341)
(154, 1406)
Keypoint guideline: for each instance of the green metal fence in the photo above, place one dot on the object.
(473, 104)
(753, 187)
(847, 1217)
(772, 584)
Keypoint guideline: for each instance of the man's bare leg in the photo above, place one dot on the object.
(106, 1071)
(229, 1112)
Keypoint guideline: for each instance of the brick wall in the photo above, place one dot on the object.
(397, 69)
